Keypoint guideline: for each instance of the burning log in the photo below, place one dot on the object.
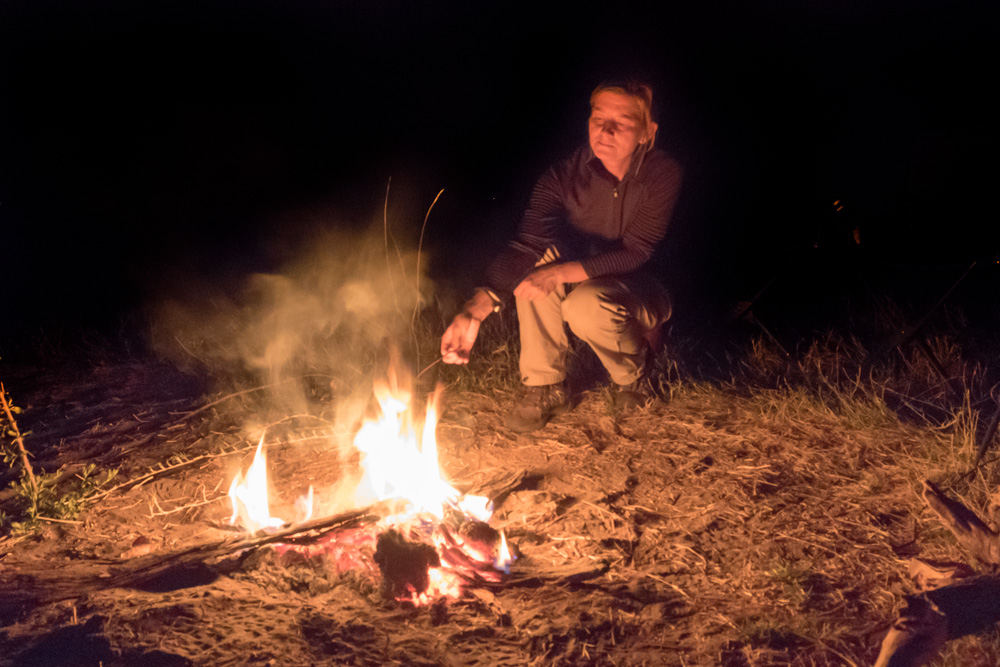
(156, 571)
(405, 565)
(470, 552)
(142, 571)
(968, 606)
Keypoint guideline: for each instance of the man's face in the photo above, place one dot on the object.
(614, 127)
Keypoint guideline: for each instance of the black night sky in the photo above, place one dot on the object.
(143, 144)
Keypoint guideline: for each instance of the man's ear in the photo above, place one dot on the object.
(653, 127)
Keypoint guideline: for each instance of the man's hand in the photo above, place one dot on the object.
(545, 279)
(458, 339)
(539, 283)
(460, 336)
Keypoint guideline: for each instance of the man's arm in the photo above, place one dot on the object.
(539, 283)
(535, 234)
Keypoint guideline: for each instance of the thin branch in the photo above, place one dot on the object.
(399, 255)
(165, 469)
(385, 244)
(226, 398)
(53, 520)
(19, 440)
(420, 248)
(199, 503)
(429, 366)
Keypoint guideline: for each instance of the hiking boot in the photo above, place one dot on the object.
(638, 394)
(536, 407)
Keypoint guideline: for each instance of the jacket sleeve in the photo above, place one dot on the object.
(647, 227)
(537, 232)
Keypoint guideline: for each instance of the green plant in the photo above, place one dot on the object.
(55, 500)
(41, 496)
(791, 578)
(15, 450)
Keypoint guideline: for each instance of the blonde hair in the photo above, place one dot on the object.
(642, 94)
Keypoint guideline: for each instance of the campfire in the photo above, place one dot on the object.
(431, 541)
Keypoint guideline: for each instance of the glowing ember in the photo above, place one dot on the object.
(442, 584)
(421, 559)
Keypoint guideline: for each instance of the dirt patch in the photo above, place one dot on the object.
(731, 529)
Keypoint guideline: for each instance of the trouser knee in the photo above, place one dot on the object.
(589, 309)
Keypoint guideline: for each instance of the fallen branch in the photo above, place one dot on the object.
(187, 415)
(135, 572)
(916, 636)
(498, 488)
(968, 606)
(559, 575)
(146, 572)
(930, 619)
(972, 533)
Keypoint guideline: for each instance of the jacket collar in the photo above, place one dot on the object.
(597, 166)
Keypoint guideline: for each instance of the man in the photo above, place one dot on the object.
(593, 223)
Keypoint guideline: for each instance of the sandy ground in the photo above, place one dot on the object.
(725, 528)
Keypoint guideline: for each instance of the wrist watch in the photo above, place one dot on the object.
(493, 297)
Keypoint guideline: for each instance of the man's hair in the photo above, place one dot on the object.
(643, 94)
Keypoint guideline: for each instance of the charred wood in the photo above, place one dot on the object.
(404, 564)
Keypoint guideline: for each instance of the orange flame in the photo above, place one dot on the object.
(399, 466)
(396, 465)
(248, 494)
(504, 558)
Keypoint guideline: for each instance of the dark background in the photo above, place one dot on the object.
(146, 147)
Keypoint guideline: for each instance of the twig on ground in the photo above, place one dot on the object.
(165, 469)
(675, 587)
(205, 501)
(53, 520)
(226, 398)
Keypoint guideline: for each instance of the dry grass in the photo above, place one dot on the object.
(760, 520)
(789, 496)
(787, 499)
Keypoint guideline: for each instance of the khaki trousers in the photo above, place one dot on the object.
(612, 315)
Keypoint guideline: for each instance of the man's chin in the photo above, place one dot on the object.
(603, 152)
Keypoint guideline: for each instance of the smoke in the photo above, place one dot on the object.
(296, 352)
(324, 322)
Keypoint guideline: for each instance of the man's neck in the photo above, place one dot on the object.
(618, 170)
